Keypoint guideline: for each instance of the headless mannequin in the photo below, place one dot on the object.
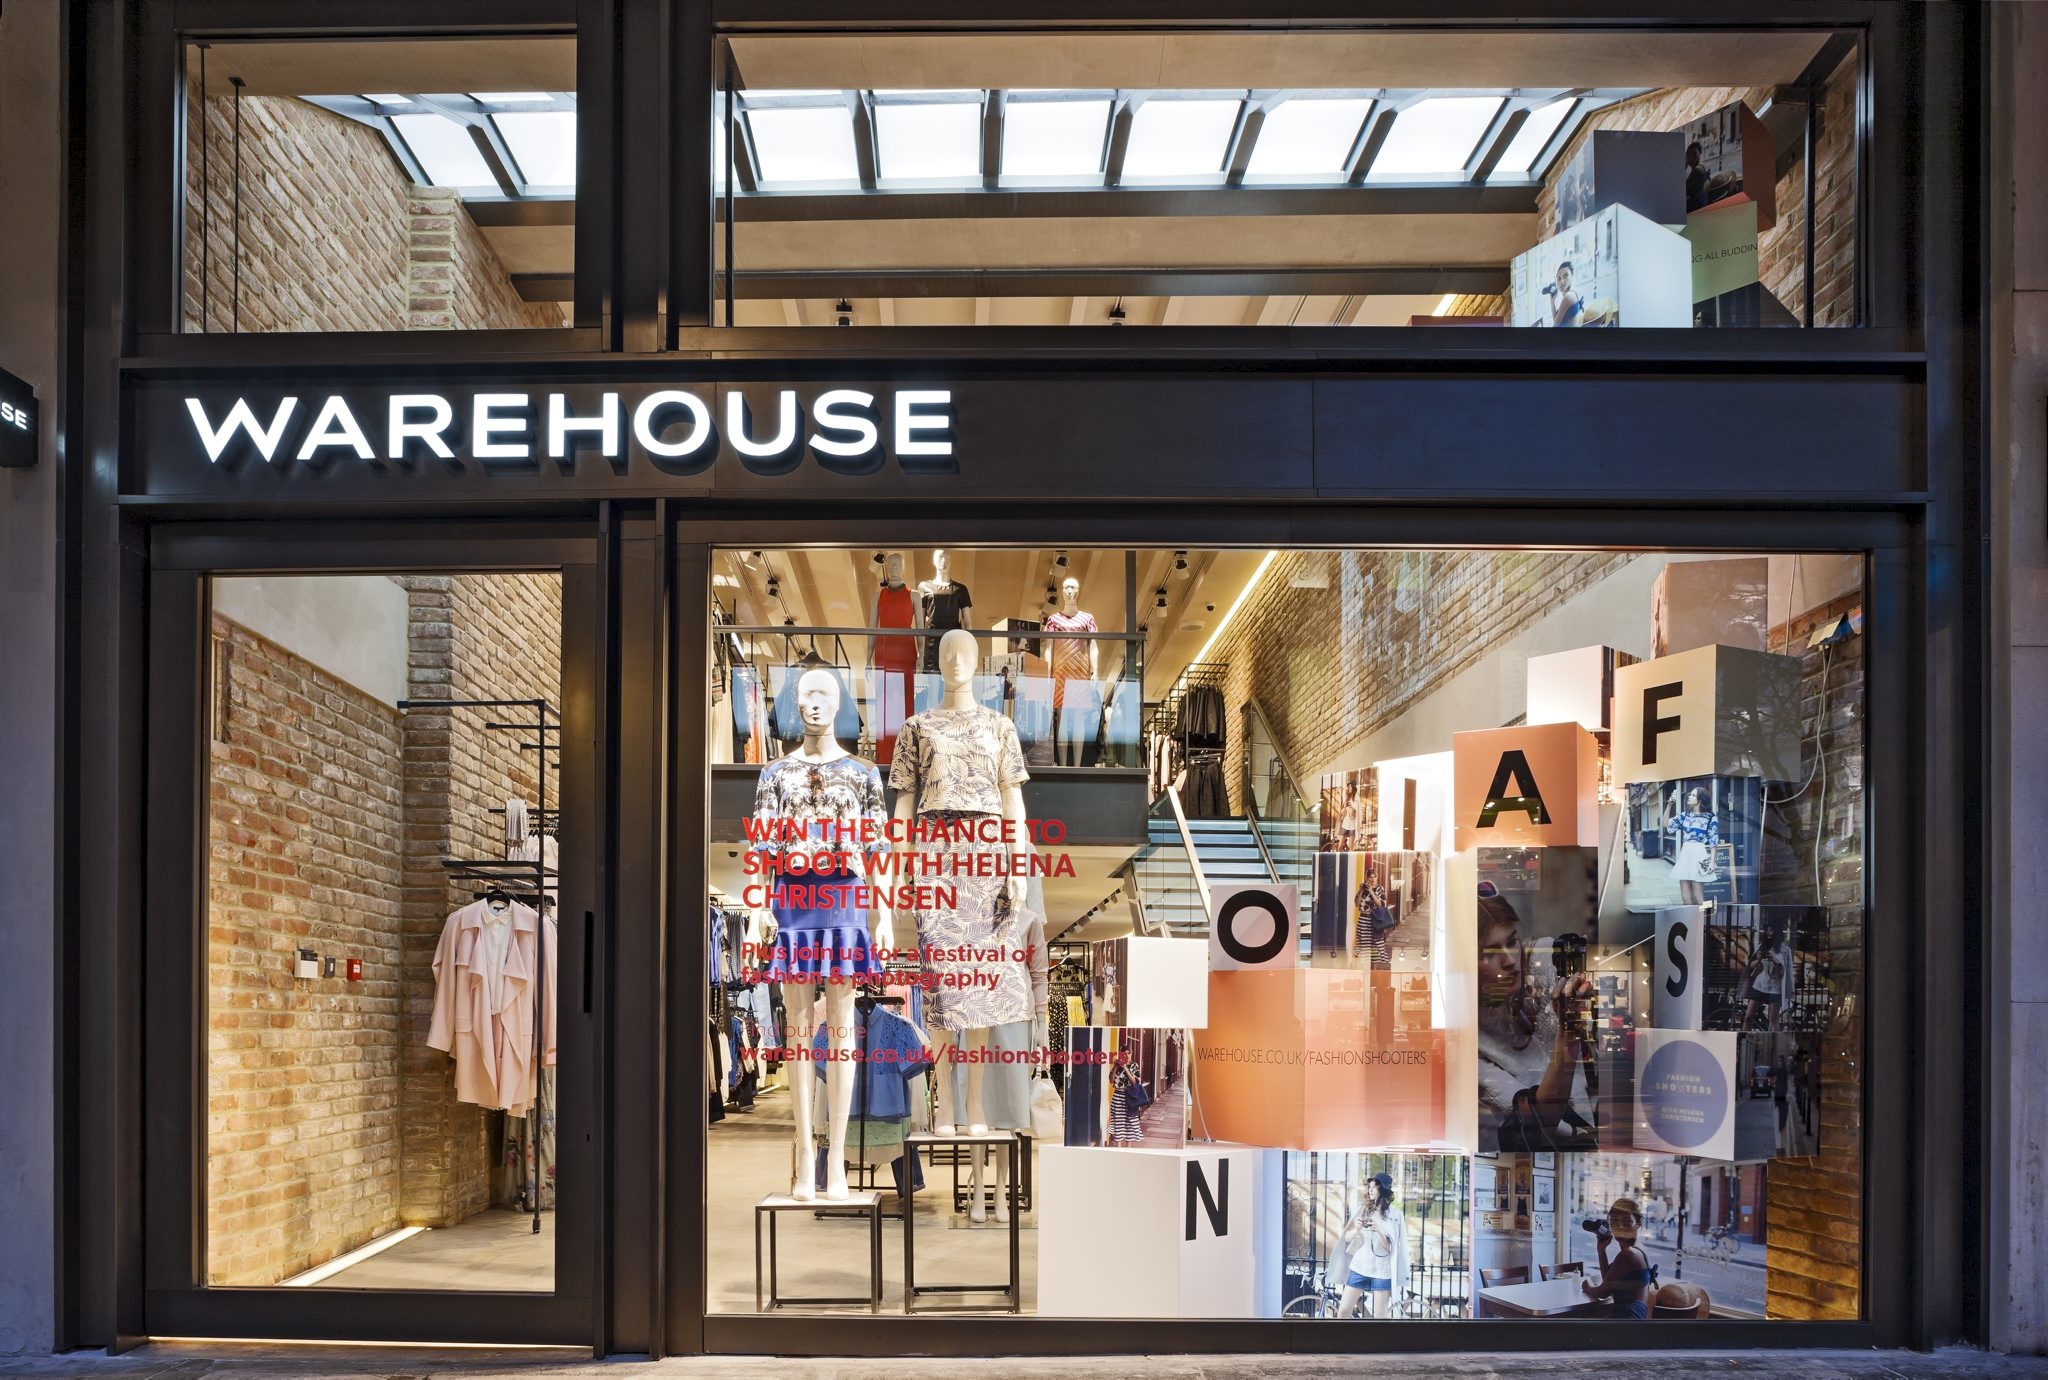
(1080, 712)
(957, 658)
(817, 696)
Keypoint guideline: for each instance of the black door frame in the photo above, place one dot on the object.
(172, 1022)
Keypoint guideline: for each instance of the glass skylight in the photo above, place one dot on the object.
(387, 98)
(544, 144)
(445, 150)
(1436, 135)
(1534, 134)
(922, 140)
(805, 144)
(1308, 137)
(1054, 138)
(512, 97)
(1180, 138)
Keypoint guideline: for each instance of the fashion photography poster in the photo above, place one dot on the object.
(1373, 910)
(1767, 968)
(1571, 279)
(1777, 1110)
(1697, 839)
(1350, 817)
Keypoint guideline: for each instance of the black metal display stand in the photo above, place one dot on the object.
(1012, 1291)
(767, 1294)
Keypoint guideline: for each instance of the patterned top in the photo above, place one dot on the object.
(1699, 828)
(827, 802)
(1070, 654)
(958, 759)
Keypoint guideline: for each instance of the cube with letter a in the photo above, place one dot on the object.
(1535, 785)
(1712, 711)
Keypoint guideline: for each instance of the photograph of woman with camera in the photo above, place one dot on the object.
(1534, 1041)
(1625, 1278)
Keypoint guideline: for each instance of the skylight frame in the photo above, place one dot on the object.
(1159, 103)
(1019, 100)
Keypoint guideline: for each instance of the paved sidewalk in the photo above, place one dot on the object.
(170, 1362)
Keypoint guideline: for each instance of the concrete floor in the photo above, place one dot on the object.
(166, 1362)
(495, 1250)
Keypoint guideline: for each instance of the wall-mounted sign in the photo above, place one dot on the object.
(17, 423)
(677, 430)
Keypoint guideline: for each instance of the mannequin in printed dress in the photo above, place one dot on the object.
(892, 661)
(1076, 673)
(960, 766)
(815, 927)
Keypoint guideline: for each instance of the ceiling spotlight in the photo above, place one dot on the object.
(843, 312)
(1180, 562)
(881, 559)
(1116, 313)
(1160, 602)
(788, 620)
(774, 588)
(1061, 560)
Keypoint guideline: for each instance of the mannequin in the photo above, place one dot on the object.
(1076, 669)
(892, 661)
(942, 606)
(820, 800)
(959, 777)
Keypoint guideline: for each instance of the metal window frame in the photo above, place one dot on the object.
(647, 216)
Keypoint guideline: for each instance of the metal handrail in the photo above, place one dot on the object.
(1309, 802)
(1187, 841)
(1251, 819)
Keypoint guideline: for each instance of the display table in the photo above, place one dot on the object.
(866, 1203)
(1550, 1298)
(1012, 1292)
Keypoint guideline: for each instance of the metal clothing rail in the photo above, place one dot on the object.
(496, 873)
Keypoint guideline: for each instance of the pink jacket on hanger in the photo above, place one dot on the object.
(491, 1040)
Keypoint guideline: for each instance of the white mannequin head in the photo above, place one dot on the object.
(1070, 592)
(817, 702)
(939, 566)
(892, 569)
(957, 657)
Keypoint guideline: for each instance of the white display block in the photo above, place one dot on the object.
(1575, 686)
(1712, 711)
(1253, 926)
(1678, 978)
(1163, 984)
(1136, 1233)
(1614, 268)
(1415, 803)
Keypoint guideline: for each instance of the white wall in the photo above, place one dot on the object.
(351, 625)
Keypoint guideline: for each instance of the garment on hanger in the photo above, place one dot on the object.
(945, 608)
(749, 721)
(895, 667)
(486, 969)
(896, 1053)
(526, 1164)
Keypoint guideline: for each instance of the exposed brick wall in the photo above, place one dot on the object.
(1816, 1204)
(330, 240)
(1781, 250)
(303, 1076)
(471, 637)
(1335, 645)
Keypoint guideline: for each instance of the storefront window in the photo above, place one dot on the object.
(384, 789)
(1339, 179)
(379, 186)
(1286, 934)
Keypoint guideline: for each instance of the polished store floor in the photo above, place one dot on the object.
(495, 1250)
(750, 1160)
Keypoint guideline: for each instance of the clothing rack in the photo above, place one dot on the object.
(518, 879)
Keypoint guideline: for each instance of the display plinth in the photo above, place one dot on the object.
(1291, 1059)
(1011, 1292)
(1136, 1233)
(1612, 269)
(767, 1295)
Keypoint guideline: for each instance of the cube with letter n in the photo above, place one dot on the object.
(1533, 785)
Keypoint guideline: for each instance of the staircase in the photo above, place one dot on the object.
(1227, 854)
(1292, 845)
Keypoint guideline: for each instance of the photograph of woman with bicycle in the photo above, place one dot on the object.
(1377, 1240)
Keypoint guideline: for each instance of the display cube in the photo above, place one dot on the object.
(1253, 925)
(1712, 711)
(1534, 785)
(1615, 268)
(1678, 986)
(1730, 157)
(1723, 243)
(1710, 603)
(1574, 687)
(1153, 1233)
(1158, 984)
(1290, 1060)
(1642, 170)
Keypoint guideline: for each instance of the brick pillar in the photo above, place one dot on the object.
(430, 215)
